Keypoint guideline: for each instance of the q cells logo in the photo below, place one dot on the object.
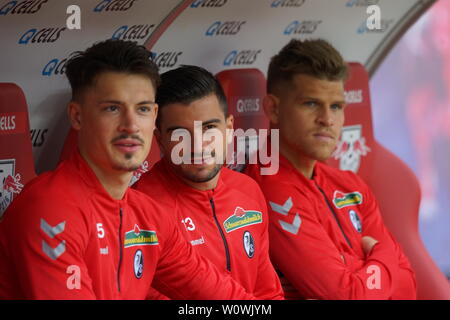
(38, 137)
(302, 27)
(248, 105)
(167, 59)
(243, 57)
(287, 3)
(208, 3)
(114, 5)
(224, 28)
(56, 66)
(46, 35)
(135, 32)
(22, 7)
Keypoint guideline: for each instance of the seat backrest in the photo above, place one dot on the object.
(245, 90)
(392, 181)
(70, 145)
(16, 156)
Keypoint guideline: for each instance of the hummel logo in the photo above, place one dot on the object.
(51, 232)
(54, 253)
(284, 210)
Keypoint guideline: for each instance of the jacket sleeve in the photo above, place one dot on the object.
(154, 294)
(183, 274)
(44, 243)
(267, 285)
(405, 286)
(302, 250)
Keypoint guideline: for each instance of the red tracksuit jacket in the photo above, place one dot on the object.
(228, 225)
(315, 232)
(64, 237)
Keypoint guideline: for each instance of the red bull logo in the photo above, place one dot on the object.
(12, 184)
(9, 183)
(351, 148)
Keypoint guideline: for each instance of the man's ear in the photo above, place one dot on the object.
(271, 105)
(229, 123)
(155, 113)
(74, 112)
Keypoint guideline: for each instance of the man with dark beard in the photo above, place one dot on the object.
(221, 213)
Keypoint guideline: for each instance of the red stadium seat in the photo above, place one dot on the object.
(393, 183)
(245, 90)
(16, 157)
(71, 143)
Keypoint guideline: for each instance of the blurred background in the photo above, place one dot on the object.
(410, 94)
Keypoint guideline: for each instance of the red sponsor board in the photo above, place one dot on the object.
(13, 123)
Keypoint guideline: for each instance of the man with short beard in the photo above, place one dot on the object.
(221, 213)
(79, 232)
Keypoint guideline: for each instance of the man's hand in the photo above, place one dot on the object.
(368, 243)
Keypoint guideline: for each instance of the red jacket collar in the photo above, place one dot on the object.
(85, 172)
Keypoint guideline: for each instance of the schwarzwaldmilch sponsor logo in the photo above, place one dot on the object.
(138, 237)
(225, 28)
(134, 32)
(56, 66)
(342, 200)
(361, 3)
(287, 3)
(208, 3)
(241, 57)
(384, 26)
(241, 218)
(114, 5)
(166, 59)
(302, 27)
(44, 35)
(22, 7)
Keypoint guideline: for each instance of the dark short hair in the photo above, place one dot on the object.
(316, 58)
(187, 84)
(109, 56)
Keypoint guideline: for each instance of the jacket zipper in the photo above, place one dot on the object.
(334, 214)
(120, 250)
(225, 243)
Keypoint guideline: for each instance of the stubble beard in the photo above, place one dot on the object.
(194, 177)
(124, 167)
